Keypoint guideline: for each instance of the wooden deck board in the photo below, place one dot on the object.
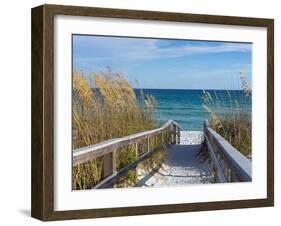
(182, 166)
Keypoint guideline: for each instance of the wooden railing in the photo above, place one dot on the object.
(227, 163)
(108, 149)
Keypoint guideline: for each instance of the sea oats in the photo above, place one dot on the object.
(105, 111)
(232, 122)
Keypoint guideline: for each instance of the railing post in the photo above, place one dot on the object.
(171, 134)
(136, 150)
(148, 144)
(212, 165)
(109, 164)
(175, 133)
(178, 135)
(230, 165)
(137, 156)
(229, 175)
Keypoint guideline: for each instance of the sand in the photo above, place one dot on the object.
(182, 166)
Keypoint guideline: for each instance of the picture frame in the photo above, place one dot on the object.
(43, 108)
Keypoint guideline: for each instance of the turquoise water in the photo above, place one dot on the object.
(185, 106)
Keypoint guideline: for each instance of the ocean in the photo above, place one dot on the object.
(185, 106)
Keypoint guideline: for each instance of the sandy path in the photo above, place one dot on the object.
(182, 166)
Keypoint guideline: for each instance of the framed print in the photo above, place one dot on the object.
(141, 112)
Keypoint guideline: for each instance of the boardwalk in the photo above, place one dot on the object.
(182, 165)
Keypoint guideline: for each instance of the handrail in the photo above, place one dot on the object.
(228, 163)
(85, 154)
(108, 149)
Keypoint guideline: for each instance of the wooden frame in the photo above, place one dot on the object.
(42, 111)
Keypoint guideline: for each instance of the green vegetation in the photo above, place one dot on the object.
(110, 110)
(232, 121)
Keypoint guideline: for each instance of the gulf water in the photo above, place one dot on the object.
(186, 106)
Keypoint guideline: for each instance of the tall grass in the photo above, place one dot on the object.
(231, 118)
(109, 110)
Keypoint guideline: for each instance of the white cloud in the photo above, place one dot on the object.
(108, 48)
(152, 51)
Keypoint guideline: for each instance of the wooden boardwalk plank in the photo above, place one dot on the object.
(182, 166)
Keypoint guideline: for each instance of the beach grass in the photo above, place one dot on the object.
(107, 111)
(232, 120)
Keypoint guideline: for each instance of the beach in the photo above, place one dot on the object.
(182, 166)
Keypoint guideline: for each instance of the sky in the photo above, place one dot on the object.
(165, 63)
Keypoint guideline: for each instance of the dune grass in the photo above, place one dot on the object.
(109, 110)
(231, 120)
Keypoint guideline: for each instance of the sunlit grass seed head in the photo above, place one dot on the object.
(107, 110)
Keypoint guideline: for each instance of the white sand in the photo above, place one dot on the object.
(182, 166)
(191, 137)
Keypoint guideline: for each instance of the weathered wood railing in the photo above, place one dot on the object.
(227, 163)
(108, 149)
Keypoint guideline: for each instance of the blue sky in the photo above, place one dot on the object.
(165, 63)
